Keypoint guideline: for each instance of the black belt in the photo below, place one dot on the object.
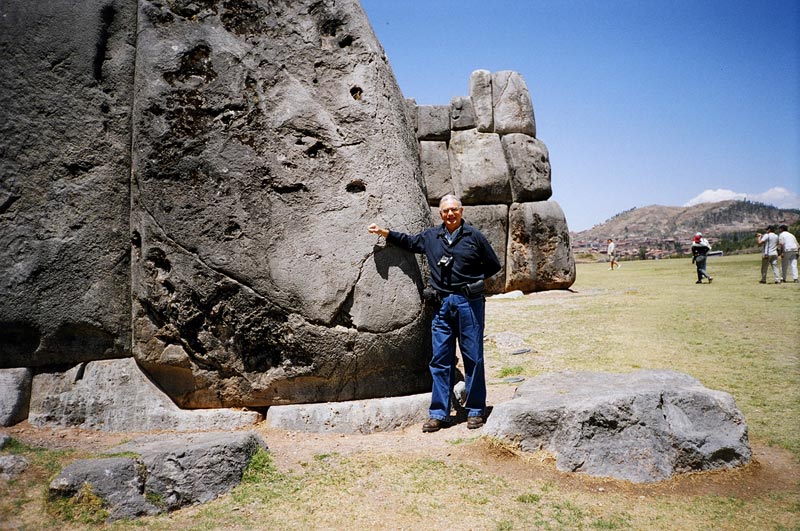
(472, 289)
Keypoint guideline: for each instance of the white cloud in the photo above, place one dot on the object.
(778, 196)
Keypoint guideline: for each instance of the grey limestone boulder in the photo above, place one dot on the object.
(480, 94)
(529, 166)
(492, 221)
(12, 466)
(644, 426)
(478, 168)
(65, 115)
(15, 395)
(186, 469)
(161, 473)
(117, 481)
(357, 416)
(462, 115)
(435, 165)
(539, 255)
(433, 122)
(115, 396)
(511, 102)
(266, 138)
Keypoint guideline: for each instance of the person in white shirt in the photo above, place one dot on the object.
(787, 245)
(769, 254)
(612, 255)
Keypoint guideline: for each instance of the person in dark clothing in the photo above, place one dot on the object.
(460, 259)
(700, 248)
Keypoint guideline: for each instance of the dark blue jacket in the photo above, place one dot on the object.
(473, 257)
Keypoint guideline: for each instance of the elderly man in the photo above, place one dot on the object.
(460, 258)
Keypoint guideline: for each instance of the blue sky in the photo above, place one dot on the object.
(639, 102)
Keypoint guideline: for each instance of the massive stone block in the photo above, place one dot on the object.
(433, 122)
(65, 98)
(462, 115)
(478, 168)
(539, 255)
(511, 101)
(267, 136)
(529, 164)
(644, 426)
(435, 166)
(480, 93)
(492, 221)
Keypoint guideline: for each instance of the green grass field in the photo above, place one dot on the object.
(734, 335)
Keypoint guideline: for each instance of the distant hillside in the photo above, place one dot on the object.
(670, 229)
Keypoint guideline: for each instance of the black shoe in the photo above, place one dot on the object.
(699, 282)
(433, 425)
(474, 423)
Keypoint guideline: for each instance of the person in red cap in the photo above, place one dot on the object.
(700, 248)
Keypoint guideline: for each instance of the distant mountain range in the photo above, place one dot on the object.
(658, 226)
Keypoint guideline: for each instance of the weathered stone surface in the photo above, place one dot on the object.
(411, 114)
(267, 136)
(15, 395)
(169, 471)
(462, 115)
(4, 440)
(118, 481)
(478, 168)
(492, 221)
(114, 395)
(65, 98)
(358, 416)
(433, 122)
(529, 165)
(12, 466)
(186, 469)
(480, 93)
(539, 255)
(644, 426)
(435, 166)
(513, 110)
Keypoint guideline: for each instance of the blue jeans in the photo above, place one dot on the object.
(458, 318)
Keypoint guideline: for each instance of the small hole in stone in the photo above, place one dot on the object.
(356, 187)
(347, 41)
(356, 92)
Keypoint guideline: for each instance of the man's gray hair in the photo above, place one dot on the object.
(449, 197)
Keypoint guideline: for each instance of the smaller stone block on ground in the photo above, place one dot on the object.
(161, 472)
(356, 416)
(15, 395)
(642, 427)
(115, 395)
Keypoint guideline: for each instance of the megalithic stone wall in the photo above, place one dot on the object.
(483, 148)
(65, 105)
(189, 184)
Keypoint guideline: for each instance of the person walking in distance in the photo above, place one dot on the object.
(769, 254)
(612, 254)
(460, 259)
(787, 246)
(700, 248)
